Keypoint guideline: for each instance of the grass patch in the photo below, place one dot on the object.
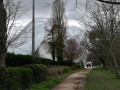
(51, 82)
(100, 79)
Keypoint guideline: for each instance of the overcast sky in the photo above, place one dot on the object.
(44, 11)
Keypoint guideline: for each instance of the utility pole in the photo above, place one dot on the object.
(33, 29)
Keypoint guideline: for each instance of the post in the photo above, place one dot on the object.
(33, 29)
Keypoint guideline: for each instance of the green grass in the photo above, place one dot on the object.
(51, 82)
(100, 79)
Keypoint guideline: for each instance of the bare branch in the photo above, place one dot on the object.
(109, 2)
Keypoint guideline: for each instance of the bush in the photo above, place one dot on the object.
(54, 71)
(65, 69)
(18, 60)
(39, 72)
(20, 78)
(4, 78)
(75, 66)
(63, 63)
(45, 61)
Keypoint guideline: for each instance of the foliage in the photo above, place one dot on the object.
(50, 82)
(102, 80)
(65, 69)
(56, 34)
(95, 61)
(63, 63)
(39, 72)
(4, 78)
(72, 49)
(75, 66)
(19, 60)
(54, 71)
(103, 37)
(20, 78)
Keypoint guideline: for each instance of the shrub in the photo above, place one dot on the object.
(63, 63)
(65, 69)
(54, 71)
(18, 60)
(4, 78)
(39, 72)
(75, 66)
(45, 61)
(20, 78)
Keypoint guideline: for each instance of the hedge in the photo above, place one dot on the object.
(4, 78)
(19, 60)
(16, 78)
(20, 78)
(39, 72)
(54, 71)
(75, 66)
(65, 69)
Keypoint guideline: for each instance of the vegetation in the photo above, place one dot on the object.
(15, 78)
(92, 57)
(13, 60)
(51, 82)
(4, 78)
(39, 72)
(20, 78)
(65, 69)
(72, 49)
(100, 79)
(57, 33)
(54, 71)
(3, 31)
(103, 37)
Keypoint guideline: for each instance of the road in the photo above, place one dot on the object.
(75, 81)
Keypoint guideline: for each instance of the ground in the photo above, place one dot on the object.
(75, 81)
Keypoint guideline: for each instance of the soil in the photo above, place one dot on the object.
(75, 81)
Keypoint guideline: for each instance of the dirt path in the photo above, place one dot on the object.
(75, 81)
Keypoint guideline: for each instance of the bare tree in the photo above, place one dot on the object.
(14, 29)
(3, 33)
(10, 32)
(109, 2)
(57, 33)
(72, 49)
(103, 35)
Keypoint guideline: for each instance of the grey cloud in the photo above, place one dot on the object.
(42, 10)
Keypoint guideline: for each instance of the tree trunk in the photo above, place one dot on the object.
(3, 34)
(2, 59)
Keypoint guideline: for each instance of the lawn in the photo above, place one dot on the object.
(100, 79)
(51, 82)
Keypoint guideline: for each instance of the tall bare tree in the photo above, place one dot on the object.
(103, 37)
(3, 33)
(15, 30)
(57, 32)
(10, 31)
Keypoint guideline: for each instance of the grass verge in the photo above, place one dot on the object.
(51, 82)
(100, 79)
